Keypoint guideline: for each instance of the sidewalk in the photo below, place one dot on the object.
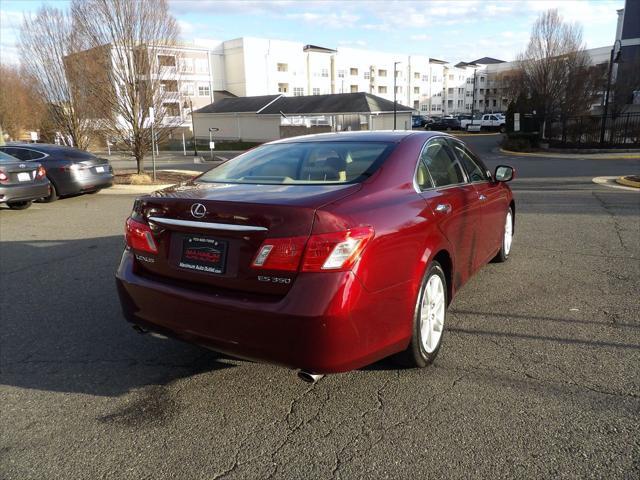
(579, 156)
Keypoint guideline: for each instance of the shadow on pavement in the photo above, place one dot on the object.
(62, 328)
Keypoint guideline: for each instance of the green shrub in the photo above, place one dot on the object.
(521, 141)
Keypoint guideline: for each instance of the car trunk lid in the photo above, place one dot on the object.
(208, 234)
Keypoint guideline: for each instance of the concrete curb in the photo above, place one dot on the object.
(576, 156)
(627, 183)
(131, 189)
(611, 183)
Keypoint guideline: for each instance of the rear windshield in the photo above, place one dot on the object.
(6, 158)
(303, 163)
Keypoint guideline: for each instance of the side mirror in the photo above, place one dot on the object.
(504, 173)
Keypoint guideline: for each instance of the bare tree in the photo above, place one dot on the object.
(627, 81)
(554, 67)
(133, 80)
(45, 40)
(21, 108)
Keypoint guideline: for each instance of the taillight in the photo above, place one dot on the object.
(139, 237)
(336, 251)
(41, 172)
(3, 177)
(280, 254)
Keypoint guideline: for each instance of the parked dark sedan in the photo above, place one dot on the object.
(443, 124)
(21, 182)
(419, 121)
(69, 170)
(323, 252)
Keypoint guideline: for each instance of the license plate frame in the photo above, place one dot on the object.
(99, 169)
(203, 254)
(24, 177)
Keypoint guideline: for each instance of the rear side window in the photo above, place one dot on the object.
(442, 164)
(303, 163)
(5, 157)
(473, 166)
(25, 154)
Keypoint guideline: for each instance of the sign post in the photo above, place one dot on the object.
(212, 144)
(153, 139)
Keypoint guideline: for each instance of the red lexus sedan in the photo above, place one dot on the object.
(323, 253)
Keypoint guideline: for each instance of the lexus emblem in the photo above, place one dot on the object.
(198, 210)
(22, 165)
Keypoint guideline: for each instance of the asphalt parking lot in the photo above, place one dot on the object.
(539, 374)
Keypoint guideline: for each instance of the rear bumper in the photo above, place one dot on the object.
(84, 182)
(325, 324)
(22, 193)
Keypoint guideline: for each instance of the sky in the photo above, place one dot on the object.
(458, 30)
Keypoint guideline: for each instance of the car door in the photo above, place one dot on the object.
(455, 204)
(493, 202)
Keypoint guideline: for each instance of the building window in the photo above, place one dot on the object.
(449, 103)
(450, 91)
(416, 89)
(283, 67)
(482, 91)
(354, 88)
(481, 79)
(188, 89)
(459, 103)
(416, 75)
(186, 65)
(494, 103)
(424, 107)
(382, 73)
(433, 108)
(298, 91)
(367, 75)
(382, 89)
(283, 87)
(416, 104)
(324, 72)
(435, 79)
(353, 72)
(316, 91)
(204, 90)
(171, 109)
(398, 89)
(461, 91)
(340, 73)
(425, 78)
(169, 86)
(166, 60)
(398, 73)
(450, 77)
(201, 65)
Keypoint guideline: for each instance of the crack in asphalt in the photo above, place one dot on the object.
(616, 226)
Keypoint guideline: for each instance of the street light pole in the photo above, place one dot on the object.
(395, 75)
(193, 127)
(606, 96)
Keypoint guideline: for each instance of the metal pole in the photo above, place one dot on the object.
(606, 98)
(193, 130)
(394, 94)
(184, 146)
(210, 140)
(153, 151)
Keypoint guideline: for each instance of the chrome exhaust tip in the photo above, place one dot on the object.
(308, 376)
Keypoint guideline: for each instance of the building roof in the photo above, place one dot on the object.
(316, 48)
(487, 61)
(360, 102)
(238, 104)
(220, 94)
(435, 60)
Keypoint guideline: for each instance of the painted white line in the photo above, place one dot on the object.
(611, 183)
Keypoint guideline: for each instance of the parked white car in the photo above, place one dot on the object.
(488, 121)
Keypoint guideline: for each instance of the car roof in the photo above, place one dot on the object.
(394, 136)
(46, 147)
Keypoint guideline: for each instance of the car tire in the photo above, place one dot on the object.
(507, 239)
(53, 195)
(19, 205)
(423, 351)
(502, 129)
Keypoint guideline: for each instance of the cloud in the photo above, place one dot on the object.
(348, 43)
(328, 20)
(420, 37)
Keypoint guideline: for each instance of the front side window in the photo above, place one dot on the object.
(442, 164)
(303, 163)
(472, 164)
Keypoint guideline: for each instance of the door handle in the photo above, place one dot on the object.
(482, 197)
(443, 208)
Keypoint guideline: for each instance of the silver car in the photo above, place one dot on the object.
(21, 182)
